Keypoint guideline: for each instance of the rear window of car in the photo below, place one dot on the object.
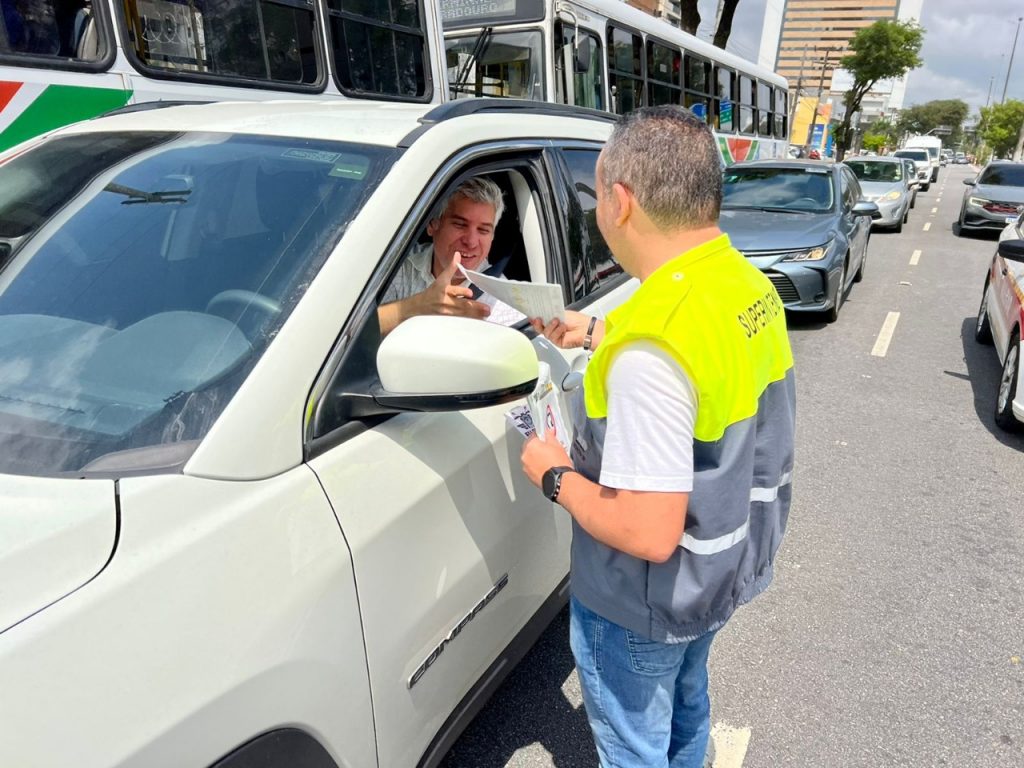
(913, 154)
(1003, 175)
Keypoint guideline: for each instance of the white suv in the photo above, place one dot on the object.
(235, 524)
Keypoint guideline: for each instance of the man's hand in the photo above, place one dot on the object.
(539, 456)
(443, 297)
(569, 334)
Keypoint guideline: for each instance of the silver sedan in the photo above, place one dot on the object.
(884, 181)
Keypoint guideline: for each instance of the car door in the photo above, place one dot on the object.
(1002, 307)
(856, 227)
(453, 549)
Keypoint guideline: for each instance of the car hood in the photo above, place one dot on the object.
(875, 189)
(998, 193)
(55, 535)
(752, 231)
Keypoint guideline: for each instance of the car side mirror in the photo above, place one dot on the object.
(969, 182)
(1012, 250)
(584, 54)
(435, 363)
(866, 208)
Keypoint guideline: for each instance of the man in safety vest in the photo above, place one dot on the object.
(679, 481)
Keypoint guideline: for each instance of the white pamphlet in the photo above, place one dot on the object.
(543, 300)
(542, 408)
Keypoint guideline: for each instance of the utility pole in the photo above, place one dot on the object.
(1010, 66)
(799, 88)
(817, 103)
(988, 98)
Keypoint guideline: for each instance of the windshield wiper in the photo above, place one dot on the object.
(769, 208)
(136, 196)
(483, 40)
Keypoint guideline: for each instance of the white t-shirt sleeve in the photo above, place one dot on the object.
(652, 406)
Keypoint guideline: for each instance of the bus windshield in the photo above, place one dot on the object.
(502, 64)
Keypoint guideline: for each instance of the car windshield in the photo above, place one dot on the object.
(795, 189)
(865, 170)
(913, 154)
(142, 275)
(1003, 176)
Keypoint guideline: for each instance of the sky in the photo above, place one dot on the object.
(965, 45)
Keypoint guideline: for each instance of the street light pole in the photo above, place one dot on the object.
(1010, 66)
(988, 99)
(817, 103)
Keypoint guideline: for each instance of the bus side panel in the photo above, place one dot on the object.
(34, 101)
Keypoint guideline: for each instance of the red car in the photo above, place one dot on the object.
(1000, 320)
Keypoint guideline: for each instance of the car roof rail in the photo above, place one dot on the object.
(485, 106)
(146, 106)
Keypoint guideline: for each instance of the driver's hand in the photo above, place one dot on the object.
(442, 297)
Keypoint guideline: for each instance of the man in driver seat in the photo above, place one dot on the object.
(429, 281)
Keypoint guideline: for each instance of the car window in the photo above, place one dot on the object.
(866, 170)
(850, 188)
(1003, 175)
(147, 274)
(582, 165)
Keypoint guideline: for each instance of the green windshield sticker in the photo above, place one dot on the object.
(350, 167)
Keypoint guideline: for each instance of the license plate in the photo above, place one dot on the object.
(1012, 219)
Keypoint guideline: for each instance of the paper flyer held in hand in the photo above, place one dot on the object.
(543, 300)
(542, 407)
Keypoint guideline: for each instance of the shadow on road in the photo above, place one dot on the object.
(530, 708)
(797, 322)
(983, 371)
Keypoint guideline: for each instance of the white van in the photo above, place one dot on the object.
(934, 146)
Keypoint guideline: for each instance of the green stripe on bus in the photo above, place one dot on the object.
(59, 105)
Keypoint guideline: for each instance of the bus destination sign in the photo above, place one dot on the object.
(464, 10)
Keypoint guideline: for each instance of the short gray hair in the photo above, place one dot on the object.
(669, 160)
(479, 189)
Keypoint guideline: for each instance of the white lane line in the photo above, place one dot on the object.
(730, 745)
(914, 258)
(927, 226)
(935, 210)
(885, 335)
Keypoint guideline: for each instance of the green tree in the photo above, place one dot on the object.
(922, 118)
(874, 141)
(1000, 125)
(887, 129)
(882, 51)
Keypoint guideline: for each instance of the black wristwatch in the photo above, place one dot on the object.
(551, 483)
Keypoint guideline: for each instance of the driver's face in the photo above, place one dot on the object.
(466, 227)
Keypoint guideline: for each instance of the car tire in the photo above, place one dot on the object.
(863, 264)
(831, 315)
(982, 327)
(913, 199)
(958, 225)
(899, 225)
(906, 215)
(1008, 386)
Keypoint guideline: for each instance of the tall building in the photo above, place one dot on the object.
(803, 40)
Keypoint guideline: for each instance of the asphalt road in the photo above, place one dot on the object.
(893, 634)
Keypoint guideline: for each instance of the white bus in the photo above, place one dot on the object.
(607, 55)
(66, 60)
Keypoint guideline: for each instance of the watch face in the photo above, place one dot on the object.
(549, 481)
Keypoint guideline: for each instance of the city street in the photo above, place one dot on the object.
(893, 633)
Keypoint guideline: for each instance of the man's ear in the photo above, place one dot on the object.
(432, 226)
(623, 201)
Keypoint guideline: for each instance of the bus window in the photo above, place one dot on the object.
(586, 89)
(725, 104)
(52, 28)
(270, 40)
(509, 64)
(625, 69)
(664, 67)
(698, 87)
(764, 109)
(746, 123)
(379, 48)
(781, 113)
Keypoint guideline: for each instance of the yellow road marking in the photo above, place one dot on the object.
(914, 258)
(927, 226)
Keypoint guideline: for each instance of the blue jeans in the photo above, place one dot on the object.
(647, 702)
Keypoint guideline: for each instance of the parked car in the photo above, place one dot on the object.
(238, 528)
(992, 200)
(1001, 319)
(884, 181)
(913, 181)
(922, 162)
(804, 224)
(960, 159)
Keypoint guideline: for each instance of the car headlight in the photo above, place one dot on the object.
(981, 202)
(889, 197)
(814, 254)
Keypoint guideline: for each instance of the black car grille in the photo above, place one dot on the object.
(787, 291)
